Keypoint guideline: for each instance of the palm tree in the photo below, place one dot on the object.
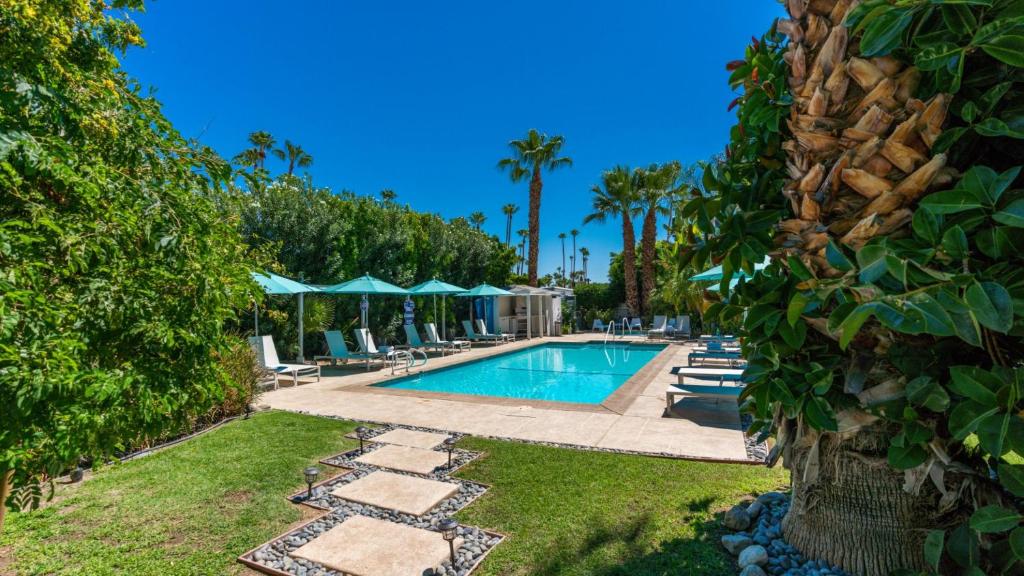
(584, 258)
(522, 233)
(477, 219)
(256, 156)
(248, 158)
(572, 276)
(388, 195)
(529, 156)
(509, 210)
(562, 237)
(657, 185)
(618, 198)
(295, 155)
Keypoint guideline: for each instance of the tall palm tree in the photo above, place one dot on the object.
(574, 232)
(296, 156)
(263, 142)
(530, 155)
(522, 233)
(618, 198)
(509, 210)
(584, 258)
(657, 184)
(388, 195)
(562, 237)
(477, 219)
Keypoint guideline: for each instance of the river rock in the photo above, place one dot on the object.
(735, 543)
(753, 555)
(753, 570)
(755, 509)
(736, 518)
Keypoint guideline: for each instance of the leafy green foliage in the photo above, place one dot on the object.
(118, 269)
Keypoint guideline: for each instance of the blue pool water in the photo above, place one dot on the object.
(571, 372)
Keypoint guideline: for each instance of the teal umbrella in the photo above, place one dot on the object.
(716, 273)
(365, 285)
(274, 284)
(434, 287)
(484, 290)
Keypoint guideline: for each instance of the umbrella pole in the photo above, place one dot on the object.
(444, 321)
(434, 298)
(300, 324)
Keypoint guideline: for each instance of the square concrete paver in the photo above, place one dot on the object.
(414, 438)
(405, 458)
(407, 494)
(363, 545)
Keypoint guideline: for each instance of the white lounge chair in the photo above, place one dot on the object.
(337, 349)
(682, 329)
(412, 338)
(658, 327)
(266, 353)
(474, 337)
(453, 345)
(481, 326)
(390, 357)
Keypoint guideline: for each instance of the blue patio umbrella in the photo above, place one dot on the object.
(365, 285)
(716, 273)
(274, 284)
(435, 287)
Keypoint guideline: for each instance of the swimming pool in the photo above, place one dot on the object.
(560, 372)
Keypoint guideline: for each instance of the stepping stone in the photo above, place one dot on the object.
(364, 545)
(407, 494)
(414, 438)
(405, 458)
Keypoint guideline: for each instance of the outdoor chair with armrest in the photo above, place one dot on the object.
(266, 353)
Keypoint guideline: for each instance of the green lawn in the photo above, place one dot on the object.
(193, 508)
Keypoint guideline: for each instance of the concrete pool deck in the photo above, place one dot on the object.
(699, 429)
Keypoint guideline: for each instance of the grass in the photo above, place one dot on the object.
(193, 508)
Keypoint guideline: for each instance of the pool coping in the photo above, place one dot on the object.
(616, 403)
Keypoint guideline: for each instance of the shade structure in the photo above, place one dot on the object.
(716, 273)
(274, 284)
(717, 287)
(484, 290)
(365, 285)
(435, 288)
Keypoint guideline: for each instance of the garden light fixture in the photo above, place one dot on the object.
(449, 445)
(449, 527)
(361, 433)
(311, 473)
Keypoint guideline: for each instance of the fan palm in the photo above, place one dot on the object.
(477, 219)
(509, 210)
(584, 258)
(522, 233)
(617, 196)
(530, 155)
(562, 236)
(574, 232)
(388, 195)
(296, 156)
(657, 184)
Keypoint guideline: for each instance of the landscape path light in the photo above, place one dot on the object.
(361, 432)
(311, 474)
(449, 444)
(449, 527)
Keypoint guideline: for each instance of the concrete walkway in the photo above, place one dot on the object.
(698, 429)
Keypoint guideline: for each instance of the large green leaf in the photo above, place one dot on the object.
(975, 383)
(934, 318)
(884, 32)
(937, 56)
(1017, 542)
(835, 257)
(871, 260)
(950, 202)
(992, 433)
(1011, 476)
(996, 127)
(991, 305)
(933, 548)
(962, 546)
(954, 242)
(1012, 214)
(819, 413)
(907, 457)
(966, 416)
(1008, 48)
(992, 518)
(924, 391)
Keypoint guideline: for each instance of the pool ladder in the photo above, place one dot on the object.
(408, 358)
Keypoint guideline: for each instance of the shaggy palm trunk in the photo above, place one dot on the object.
(648, 238)
(859, 161)
(629, 263)
(5, 492)
(535, 188)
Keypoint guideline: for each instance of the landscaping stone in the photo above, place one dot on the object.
(735, 543)
(406, 458)
(413, 438)
(399, 492)
(765, 531)
(736, 518)
(753, 555)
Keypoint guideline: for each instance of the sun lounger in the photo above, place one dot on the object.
(266, 353)
(481, 327)
(682, 328)
(453, 345)
(390, 357)
(636, 324)
(658, 327)
(722, 376)
(599, 325)
(472, 336)
(336, 348)
(412, 338)
(731, 358)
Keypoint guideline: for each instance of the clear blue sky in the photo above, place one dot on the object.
(422, 97)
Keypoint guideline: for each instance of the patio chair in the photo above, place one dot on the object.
(472, 336)
(336, 348)
(389, 357)
(658, 327)
(682, 330)
(732, 358)
(481, 326)
(453, 345)
(636, 324)
(721, 375)
(412, 338)
(598, 325)
(266, 353)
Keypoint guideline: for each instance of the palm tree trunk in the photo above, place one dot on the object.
(572, 274)
(648, 238)
(5, 492)
(508, 230)
(629, 263)
(535, 188)
(563, 257)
